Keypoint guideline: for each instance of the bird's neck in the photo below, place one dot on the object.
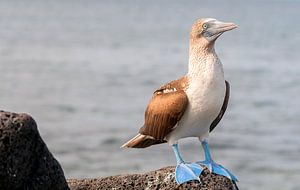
(202, 58)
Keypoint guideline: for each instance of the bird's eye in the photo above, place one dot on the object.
(204, 26)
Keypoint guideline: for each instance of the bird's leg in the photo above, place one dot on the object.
(179, 159)
(185, 171)
(208, 160)
(212, 166)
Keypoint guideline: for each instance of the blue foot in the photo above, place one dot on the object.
(217, 169)
(214, 167)
(187, 171)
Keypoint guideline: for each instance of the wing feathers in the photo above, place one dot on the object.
(163, 113)
(223, 109)
(164, 110)
(141, 141)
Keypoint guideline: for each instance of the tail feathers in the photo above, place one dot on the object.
(141, 141)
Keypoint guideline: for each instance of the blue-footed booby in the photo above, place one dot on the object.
(191, 106)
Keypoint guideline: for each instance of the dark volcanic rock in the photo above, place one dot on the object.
(162, 179)
(25, 161)
(27, 164)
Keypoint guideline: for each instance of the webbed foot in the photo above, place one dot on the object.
(187, 171)
(214, 167)
(217, 169)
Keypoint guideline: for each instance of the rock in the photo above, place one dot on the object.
(27, 164)
(25, 161)
(162, 179)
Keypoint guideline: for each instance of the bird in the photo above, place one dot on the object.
(191, 106)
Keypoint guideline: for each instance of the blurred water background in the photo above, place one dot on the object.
(85, 70)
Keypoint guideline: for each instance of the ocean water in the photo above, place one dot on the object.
(85, 70)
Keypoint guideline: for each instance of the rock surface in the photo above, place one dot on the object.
(25, 161)
(27, 164)
(162, 179)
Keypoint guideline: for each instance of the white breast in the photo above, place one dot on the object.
(206, 94)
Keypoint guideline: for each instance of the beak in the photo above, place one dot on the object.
(220, 27)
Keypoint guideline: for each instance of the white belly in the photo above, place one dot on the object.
(206, 96)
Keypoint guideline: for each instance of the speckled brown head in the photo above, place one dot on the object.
(207, 30)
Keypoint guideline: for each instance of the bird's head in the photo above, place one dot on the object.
(207, 30)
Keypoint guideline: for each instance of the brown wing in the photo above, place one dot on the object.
(165, 109)
(223, 109)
